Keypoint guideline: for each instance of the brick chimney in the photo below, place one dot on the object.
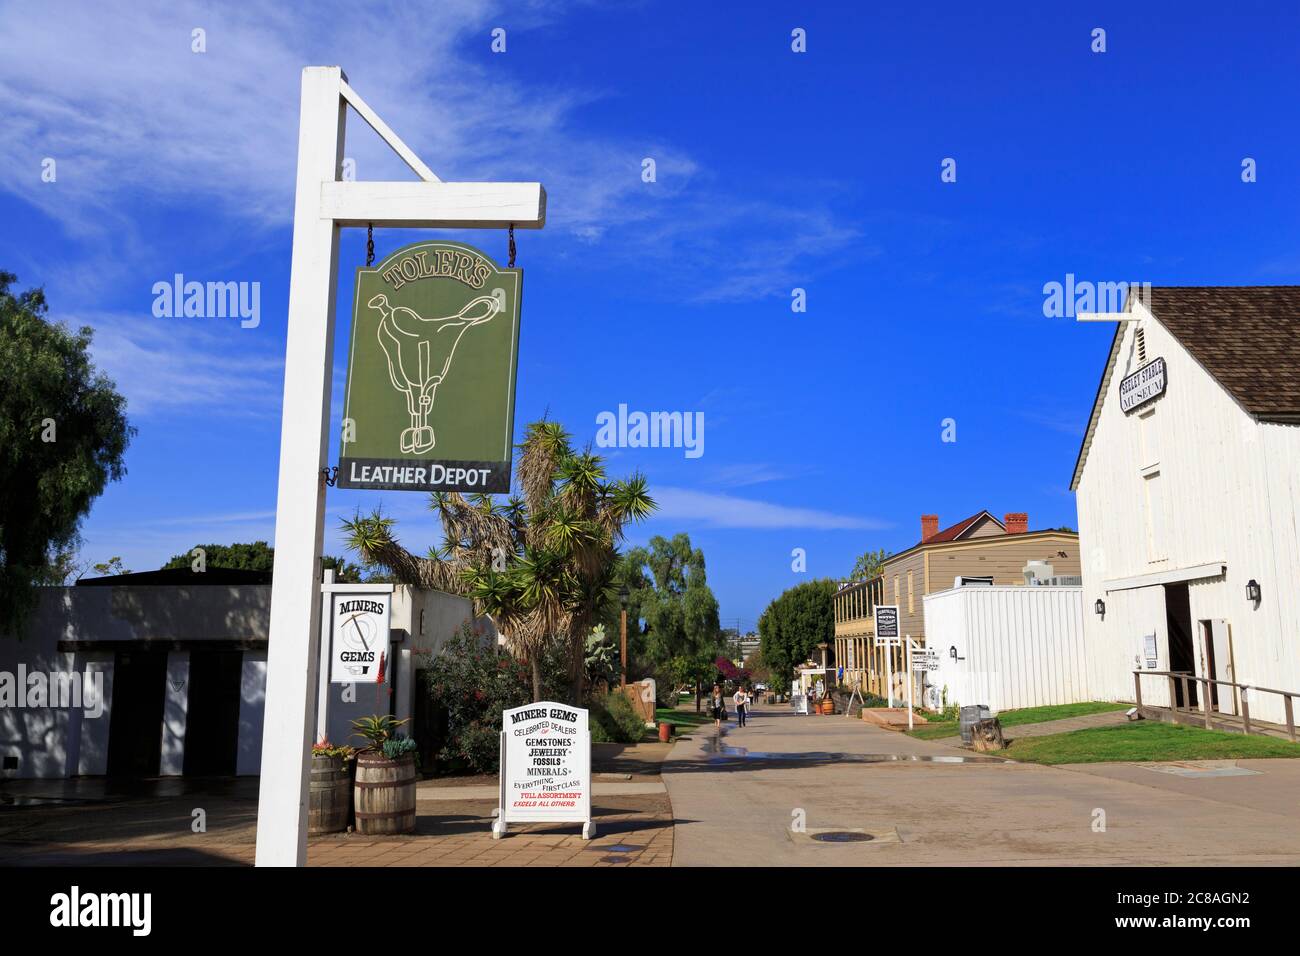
(929, 527)
(1017, 522)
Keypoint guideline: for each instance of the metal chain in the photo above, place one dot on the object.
(370, 245)
(512, 246)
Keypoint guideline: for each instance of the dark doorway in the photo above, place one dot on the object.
(429, 723)
(212, 713)
(135, 722)
(1182, 653)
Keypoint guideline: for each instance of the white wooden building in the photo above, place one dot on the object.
(1188, 489)
(1007, 647)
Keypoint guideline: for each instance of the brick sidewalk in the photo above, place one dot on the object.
(462, 837)
(448, 833)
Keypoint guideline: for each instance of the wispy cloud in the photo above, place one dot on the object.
(755, 473)
(711, 509)
(168, 365)
(135, 119)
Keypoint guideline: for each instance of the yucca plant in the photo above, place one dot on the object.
(541, 564)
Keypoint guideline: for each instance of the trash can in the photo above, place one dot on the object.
(970, 716)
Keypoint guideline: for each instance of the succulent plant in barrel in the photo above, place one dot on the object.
(331, 787)
(385, 782)
(376, 729)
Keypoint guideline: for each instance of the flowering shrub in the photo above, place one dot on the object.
(473, 684)
(323, 748)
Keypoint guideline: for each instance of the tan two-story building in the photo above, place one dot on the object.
(980, 547)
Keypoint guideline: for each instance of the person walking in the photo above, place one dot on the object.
(719, 707)
(740, 698)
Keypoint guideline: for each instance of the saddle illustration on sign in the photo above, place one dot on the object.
(419, 352)
(430, 397)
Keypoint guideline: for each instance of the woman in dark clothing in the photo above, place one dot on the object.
(718, 706)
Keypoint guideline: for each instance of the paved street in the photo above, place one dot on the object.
(735, 802)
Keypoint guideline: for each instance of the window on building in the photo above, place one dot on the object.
(1150, 439)
(896, 591)
(911, 595)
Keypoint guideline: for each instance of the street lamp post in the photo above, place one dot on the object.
(622, 636)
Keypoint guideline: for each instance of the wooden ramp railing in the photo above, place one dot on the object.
(1186, 714)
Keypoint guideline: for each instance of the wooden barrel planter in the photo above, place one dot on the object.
(330, 799)
(385, 794)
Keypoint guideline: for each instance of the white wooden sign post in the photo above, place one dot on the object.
(322, 205)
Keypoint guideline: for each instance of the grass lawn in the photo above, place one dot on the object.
(1146, 740)
(1026, 715)
(685, 718)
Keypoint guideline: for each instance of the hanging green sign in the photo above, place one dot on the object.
(430, 399)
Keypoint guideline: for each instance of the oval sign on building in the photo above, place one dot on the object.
(1144, 385)
(430, 397)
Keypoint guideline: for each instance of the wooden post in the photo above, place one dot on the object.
(1187, 697)
(1245, 712)
(291, 657)
(1290, 717)
(321, 205)
(1137, 689)
(622, 653)
(1173, 694)
(1206, 708)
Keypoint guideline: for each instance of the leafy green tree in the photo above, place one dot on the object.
(259, 556)
(63, 568)
(868, 565)
(542, 565)
(111, 567)
(63, 437)
(793, 625)
(682, 635)
(250, 556)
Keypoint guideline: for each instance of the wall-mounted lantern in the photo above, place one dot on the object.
(1252, 591)
(952, 652)
(1100, 607)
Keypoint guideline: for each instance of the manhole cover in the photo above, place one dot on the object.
(842, 836)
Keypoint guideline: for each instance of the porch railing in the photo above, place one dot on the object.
(1185, 680)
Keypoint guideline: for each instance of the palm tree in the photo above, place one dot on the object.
(542, 565)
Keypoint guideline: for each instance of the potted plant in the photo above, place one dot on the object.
(385, 787)
(330, 800)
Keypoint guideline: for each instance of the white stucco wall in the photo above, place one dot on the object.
(175, 698)
(252, 709)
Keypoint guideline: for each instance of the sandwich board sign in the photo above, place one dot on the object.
(359, 635)
(430, 400)
(545, 767)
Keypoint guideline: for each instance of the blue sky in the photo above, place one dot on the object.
(775, 170)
